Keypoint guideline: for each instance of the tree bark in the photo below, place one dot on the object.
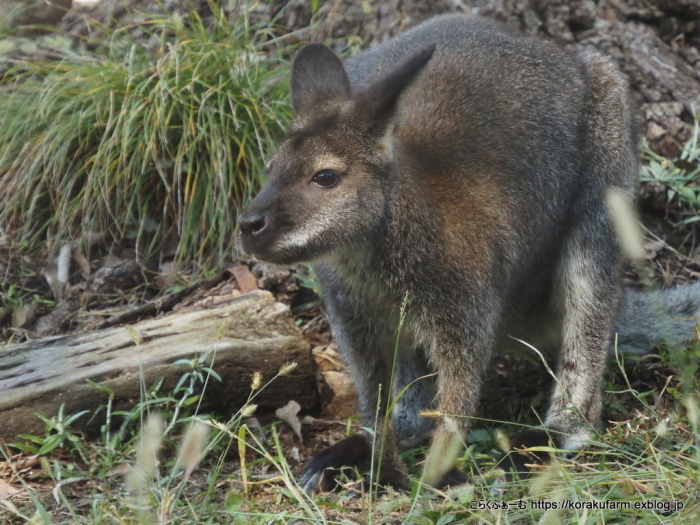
(251, 334)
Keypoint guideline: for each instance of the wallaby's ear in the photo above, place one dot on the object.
(317, 75)
(378, 101)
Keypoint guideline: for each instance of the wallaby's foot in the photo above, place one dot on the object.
(522, 458)
(321, 472)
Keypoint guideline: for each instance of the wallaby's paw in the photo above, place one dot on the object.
(320, 473)
(519, 461)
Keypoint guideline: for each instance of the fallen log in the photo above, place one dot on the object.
(252, 333)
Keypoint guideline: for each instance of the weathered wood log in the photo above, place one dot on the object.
(251, 333)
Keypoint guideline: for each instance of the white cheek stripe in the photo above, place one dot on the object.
(296, 239)
(315, 226)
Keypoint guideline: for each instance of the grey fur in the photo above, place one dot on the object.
(466, 172)
(647, 318)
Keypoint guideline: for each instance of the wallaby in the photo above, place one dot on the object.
(460, 170)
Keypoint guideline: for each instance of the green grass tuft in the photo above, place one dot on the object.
(152, 143)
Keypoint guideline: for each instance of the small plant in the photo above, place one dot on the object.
(680, 177)
(12, 297)
(58, 433)
(310, 280)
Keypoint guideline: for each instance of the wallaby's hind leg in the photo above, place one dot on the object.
(590, 290)
(590, 294)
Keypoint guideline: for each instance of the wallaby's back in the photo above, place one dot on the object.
(496, 125)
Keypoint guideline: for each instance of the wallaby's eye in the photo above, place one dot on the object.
(326, 178)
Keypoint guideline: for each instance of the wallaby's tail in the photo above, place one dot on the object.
(650, 318)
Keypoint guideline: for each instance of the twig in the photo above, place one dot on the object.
(57, 488)
(161, 305)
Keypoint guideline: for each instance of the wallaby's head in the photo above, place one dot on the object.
(327, 182)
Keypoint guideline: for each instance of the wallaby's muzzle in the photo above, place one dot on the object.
(255, 233)
(265, 224)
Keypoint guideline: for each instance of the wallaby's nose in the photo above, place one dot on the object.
(252, 223)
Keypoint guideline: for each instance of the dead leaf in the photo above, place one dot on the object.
(63, 264)
(7, 491)
(50, 273)
(288, 414)
(23, 316)
(119, 470)
(327, 359)
(651, 248)
(28, 462)
(246, 281)
(340, 382)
